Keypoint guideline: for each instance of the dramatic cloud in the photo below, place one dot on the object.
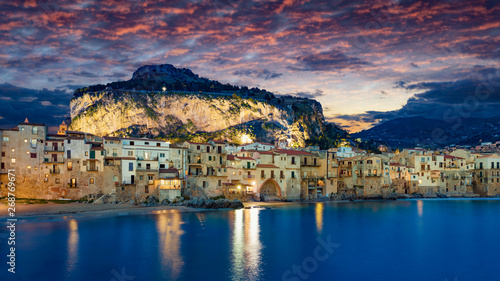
(452, 102)
(309, 95)
(352, 50)
(328, 61)
(40, 106)
(260, 73)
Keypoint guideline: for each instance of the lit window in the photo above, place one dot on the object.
(13, 150)
(29, 167)
(13, 160)
(91, 181)
(5, 138)
(25, 140)
(86, 153)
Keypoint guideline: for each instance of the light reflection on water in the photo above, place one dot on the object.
(319, 216)
(169, 240)
(73, 243)
(246, 246)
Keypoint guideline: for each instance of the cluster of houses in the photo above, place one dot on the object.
(73, 165)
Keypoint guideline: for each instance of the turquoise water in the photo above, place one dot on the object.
(397, 240)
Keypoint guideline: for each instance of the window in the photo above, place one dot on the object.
(208, 149)
(70, 166)
(197, 147)
(58, 180)
(33, 155)
(204, 184)
(102, 152)
(13, 160)
(130, 153)
(69, 141)
(162, 154)
(219, 183)
(293, 175)
(148, 166)
(131, 143)
(209, 158)
(3, 153)
(262, 174)
(33, 143)
(492, 165)
(25, 140)
(2, 166)
(162, 166)
(5, 138)
(68, 154)
(146, 189)
(86, 153)
(72, 183)
(91, 181)
(178, 151)
(293, 160)
(282, 176)
(141, 177)
(151, 177)
(158, 144)
(130, 166)
(35, 130)
(146, 143)
(28, 167)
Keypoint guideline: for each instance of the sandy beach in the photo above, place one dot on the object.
(78, 209)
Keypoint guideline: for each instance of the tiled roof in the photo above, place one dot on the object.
(203, 143)
(230, 157)
(244, 158)
(293, 152)
(266, 166)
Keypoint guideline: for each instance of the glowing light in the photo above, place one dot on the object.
(319, 216)
(164, 89)
(246, 139)
(239, 186)
(420, 208)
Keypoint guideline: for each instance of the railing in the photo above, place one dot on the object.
(55, 171)
(146, 169)
(149, 159)
(250, 176)
(53, 160)
(92, 169)
(54, 149)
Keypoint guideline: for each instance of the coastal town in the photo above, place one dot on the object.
(74, 165)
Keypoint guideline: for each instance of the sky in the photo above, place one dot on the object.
(365, 61)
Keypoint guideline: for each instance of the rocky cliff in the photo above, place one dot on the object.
(127, 109)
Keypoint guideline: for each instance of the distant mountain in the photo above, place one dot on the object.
(166, 102)
(418, 131)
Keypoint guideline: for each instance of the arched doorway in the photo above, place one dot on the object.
(270, 190)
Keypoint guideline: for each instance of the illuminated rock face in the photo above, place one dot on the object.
(107, 113)
(179, 114)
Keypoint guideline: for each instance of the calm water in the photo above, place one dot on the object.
(401, 240)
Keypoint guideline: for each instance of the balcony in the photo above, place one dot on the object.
(250, 176)
(53, 160)
(55, 171)
(148, 159)
(92, 169)
(152, 169)
(54, 149)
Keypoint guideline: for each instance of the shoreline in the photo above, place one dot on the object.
(74, 209)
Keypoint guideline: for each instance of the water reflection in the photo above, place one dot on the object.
(169, 231)
(420, 208)
(319, 216)
(246, 246)
(73, 240)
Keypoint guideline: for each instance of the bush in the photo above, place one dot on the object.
(218, 197)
